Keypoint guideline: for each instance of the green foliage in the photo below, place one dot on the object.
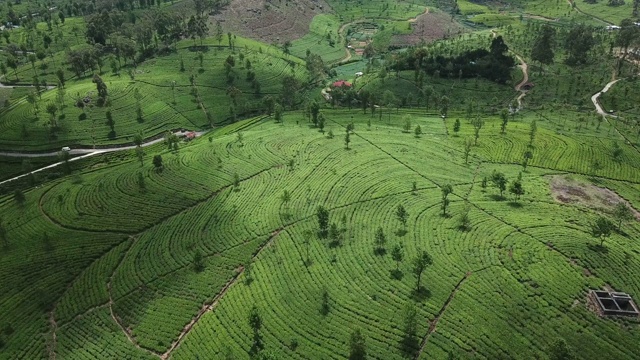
(357, 346)
(420, 263)
(622, 213)
(602, 228)
(559, 350)
(322, 214)
(499, 180)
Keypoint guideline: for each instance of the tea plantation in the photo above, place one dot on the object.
(457, 198)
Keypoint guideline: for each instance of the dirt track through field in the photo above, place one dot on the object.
(525, 73)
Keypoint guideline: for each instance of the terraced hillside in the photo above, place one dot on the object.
(169, 266)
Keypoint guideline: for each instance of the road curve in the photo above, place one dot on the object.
(83, 153)
(596, 102)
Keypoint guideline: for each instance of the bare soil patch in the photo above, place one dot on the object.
(270, 21)
(430, 26)
(566, 190)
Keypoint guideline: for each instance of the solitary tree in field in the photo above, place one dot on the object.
(323, 221)
(157, 162)
(456, 126)
(347, 139)
(542, 50)
(357, 346)
(601, 229)
(402, 215)
(324, 307)
(380, 240)
(446, 190)
(255, 322)
(286, 197)
(397, 254)
(407, 123)
(532, 132)
(465, 221)
(559, 350)
(198, 262)
(516, 187)
(141, 182)
(467, 149)
(499, 181)
(504, 115)
(444, 105)
(52, 109)
(60, 76)
(622, 213)
(477, 123)
(278, 112)
(321, 122)
(418, 131)
(420, 263)
(528, 155)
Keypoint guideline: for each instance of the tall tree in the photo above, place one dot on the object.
(499, 181)
(542, 50)
(397, 254)
(380, 240)
(322, 215)
(516, 187)
(446, 190)
(402, 215)
(504, 115)
(622, 213)
(420, 263)
(578, 43)
(601, 229)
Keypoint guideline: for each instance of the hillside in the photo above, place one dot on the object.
(302, 179)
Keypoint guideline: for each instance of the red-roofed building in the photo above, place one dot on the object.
(191, 135)
(341, 83)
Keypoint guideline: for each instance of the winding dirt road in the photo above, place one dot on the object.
(525, 71)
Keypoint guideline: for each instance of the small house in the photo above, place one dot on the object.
(341, 83)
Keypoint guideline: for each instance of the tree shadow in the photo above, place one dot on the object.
(380, 251)
(195, 48)
(598, 248)
(497, 197)
(409, 346)
(401, 232)
(334, 244)
(396, 274)
(111, 135)
(515, 204)
(420, 294)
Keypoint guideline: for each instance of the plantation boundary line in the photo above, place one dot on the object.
(80, 316)
(67, 227)
(209, 307)
(434, 322)
(393, 157)
(51, 347)
(111, 302)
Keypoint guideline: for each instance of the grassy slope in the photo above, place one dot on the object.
(153, 79)
(156, 292)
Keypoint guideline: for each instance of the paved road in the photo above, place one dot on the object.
(596, 102)
(82, 153)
